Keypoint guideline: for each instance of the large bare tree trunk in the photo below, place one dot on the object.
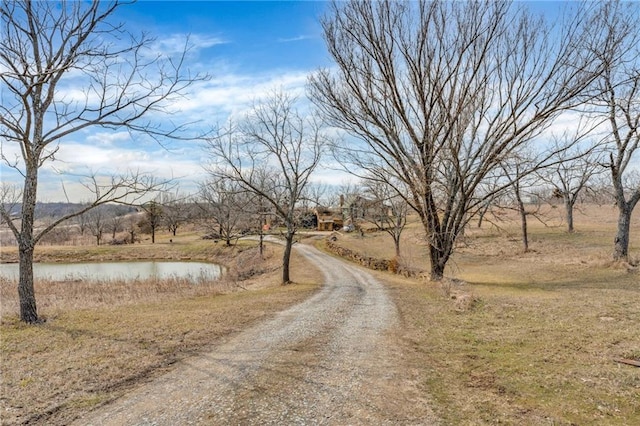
(568, 205)
(621, 242)
(438, 262)
(26, 245)
(26, 292)
(396, 242)
(286, 257)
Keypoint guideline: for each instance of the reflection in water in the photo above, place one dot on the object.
(110, 271)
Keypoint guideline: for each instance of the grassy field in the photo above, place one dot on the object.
(530, 338)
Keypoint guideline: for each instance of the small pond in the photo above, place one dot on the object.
(111, 271)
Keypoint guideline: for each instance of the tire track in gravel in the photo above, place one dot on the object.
(328, 360)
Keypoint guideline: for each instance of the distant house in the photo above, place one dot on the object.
(356, 208)
(328, 219)
(353, 209)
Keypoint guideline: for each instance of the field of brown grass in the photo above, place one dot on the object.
(509, 338)
(530, 338)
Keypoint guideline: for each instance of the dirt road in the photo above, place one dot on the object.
(330, 360)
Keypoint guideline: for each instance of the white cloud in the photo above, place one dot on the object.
(109, 139)
(292, 39)
(230, 94)
(333, 177)
(174, 44)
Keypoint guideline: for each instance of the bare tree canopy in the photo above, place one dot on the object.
(572, 171)
(226, 207)
(390, 215)
(437, 94)
(65, 67)
(178, 209)
(271, 153)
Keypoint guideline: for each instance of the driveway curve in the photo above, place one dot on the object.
(330, 360)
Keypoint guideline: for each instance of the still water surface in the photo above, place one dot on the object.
(109, 271)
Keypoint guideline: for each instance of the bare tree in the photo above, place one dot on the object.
(317, 193)
(332, 196)
(489, 193)
(115, 222)
(437, 94)
(391, 214)
(65, 67)
(176, 210)
(601, 191)
(620, 105)
(153, 217)
(517, 173)
(10, 197)
(131, 226)
(271, 153)
(96, 223)
(571, 173)
(226, 207)
(81, 221)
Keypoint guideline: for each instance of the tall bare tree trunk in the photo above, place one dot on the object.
(396, 241)
(438, 262)
(568, 205)
(26, 245)
(440, 240)
(523, 225)
(286, 257)
(621, 242)
(26, 292)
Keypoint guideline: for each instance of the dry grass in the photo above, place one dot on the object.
(242, 262)
(533, 344)
(527, 355)
(98, 341)
(537, 344)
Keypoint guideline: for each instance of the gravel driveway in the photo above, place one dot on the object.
(330, 360)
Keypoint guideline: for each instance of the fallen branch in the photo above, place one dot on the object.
(627, 361)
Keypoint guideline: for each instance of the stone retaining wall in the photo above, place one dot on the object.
(366, 261)
(392, 265)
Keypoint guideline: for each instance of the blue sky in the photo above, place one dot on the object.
(255, 37)
(248, 49)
